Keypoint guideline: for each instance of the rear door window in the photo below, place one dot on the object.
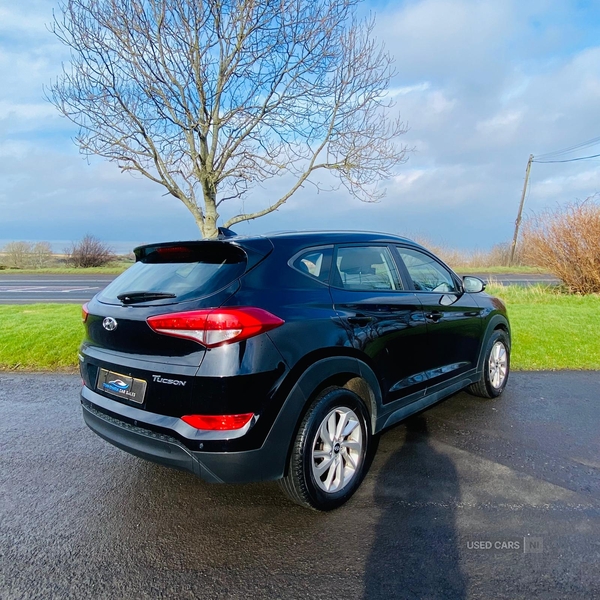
(365, 268)
(169, 274)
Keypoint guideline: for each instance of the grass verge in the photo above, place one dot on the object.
(40, 337)
(551, 331)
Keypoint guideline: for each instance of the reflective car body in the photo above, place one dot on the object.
(373, 313)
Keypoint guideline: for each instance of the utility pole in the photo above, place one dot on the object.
(518, 221)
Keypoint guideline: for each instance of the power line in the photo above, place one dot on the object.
(550, 157)
(567, 159)
(570, 149)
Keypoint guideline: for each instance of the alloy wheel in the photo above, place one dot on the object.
(498, 365)
(337, 450)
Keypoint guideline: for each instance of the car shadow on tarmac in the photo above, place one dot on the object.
(415, 550)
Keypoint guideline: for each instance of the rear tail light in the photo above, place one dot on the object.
(84, 312)
(214, 327)
(217, 422)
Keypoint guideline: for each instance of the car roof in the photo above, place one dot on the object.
(331, 236)
(299, 239)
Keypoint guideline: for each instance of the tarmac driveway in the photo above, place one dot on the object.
(470, 499)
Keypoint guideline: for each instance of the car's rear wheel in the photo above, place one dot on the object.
(328, 458)
(496, 367)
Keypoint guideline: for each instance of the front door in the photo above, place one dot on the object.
(453, 317)
(384, 321)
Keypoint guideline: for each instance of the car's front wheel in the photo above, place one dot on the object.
(328, 458)
(496, 367)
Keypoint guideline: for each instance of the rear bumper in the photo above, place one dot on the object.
(265, 463)
(214, 467)
(146, 444)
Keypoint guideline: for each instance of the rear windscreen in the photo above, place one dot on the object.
(179, 272)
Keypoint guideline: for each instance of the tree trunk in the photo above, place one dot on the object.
(211, 216)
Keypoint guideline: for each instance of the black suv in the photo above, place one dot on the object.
(283, 356)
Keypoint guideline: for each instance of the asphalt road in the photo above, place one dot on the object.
(77, 289)
(64, 289)
(81, 519)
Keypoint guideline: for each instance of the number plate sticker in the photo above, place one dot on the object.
(121, 386)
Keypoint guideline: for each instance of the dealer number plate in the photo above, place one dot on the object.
(121, 386)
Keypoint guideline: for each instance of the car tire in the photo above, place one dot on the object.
(496, 367)
(329, 456)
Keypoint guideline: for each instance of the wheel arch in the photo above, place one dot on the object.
(497, 322)
(340, 371)
(333, 371)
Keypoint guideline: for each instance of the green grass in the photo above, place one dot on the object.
(112, 269)
(40, 337)
(551, 330)
(499, 270)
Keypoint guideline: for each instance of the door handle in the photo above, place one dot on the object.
(434, 316)
(360, 320)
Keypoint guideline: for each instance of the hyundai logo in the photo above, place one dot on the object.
(109, 324)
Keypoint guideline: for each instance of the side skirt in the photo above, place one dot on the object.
(395, 415)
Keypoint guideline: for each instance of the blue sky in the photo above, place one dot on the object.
(482, 84)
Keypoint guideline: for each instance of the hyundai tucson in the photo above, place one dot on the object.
(283, 356)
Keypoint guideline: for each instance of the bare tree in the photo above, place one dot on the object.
(41, 254)
(18, 254)
(211, 97)
(89, 252)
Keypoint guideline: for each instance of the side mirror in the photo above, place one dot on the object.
(473, 285)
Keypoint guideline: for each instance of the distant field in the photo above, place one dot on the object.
(112, 269)
(551, 331)
(517, 270)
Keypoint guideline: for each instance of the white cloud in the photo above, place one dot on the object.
(502, 128)
(443, 38)
(406, 180)
(548, 190)
(27, 18)
(12, 110)
(438, 103)
(409, 89)
(500, 122)
(515, 90)
(14, 149)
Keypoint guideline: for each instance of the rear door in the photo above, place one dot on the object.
(384, 320)
(453, 317)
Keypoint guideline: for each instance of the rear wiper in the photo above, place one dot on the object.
(131, 297)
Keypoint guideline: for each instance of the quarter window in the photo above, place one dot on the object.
(315, 263)
(365, 268)
(426, 273)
